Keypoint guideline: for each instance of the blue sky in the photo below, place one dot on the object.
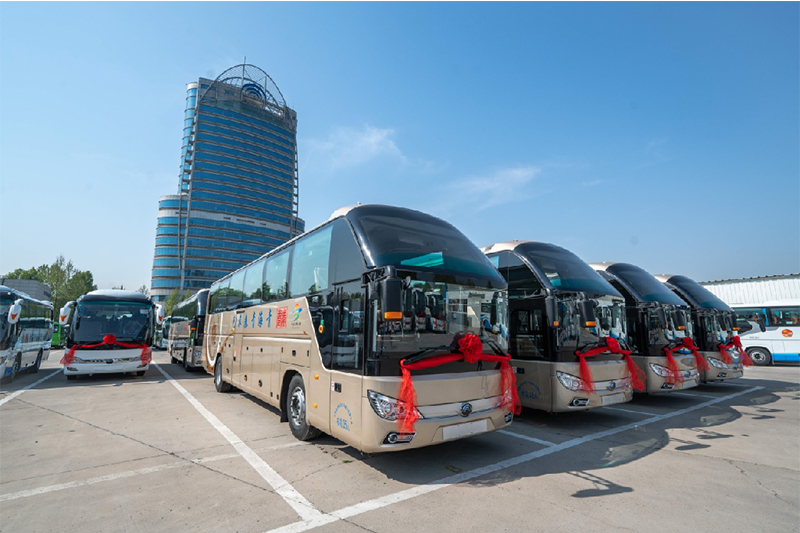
(665, 135)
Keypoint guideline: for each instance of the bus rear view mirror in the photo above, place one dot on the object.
(550, 310)
(587, 311)
(679, 320)
(63, 315)
(662, 317)
(14, 312)
(159, 314)
(391, 290)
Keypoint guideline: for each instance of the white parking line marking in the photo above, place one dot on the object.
(525, 437)
(645, 413)
(23, 389)
(296, 500)
(128, 473)
(377, 503)
(690, 395)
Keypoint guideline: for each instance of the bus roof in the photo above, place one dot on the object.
(574, 274)
(113, 294)
(642, 285)
(694, 293)
(14, 294)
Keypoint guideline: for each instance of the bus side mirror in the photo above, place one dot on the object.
(587, 311)
(14, 312)
(391, 290)
(63, 315)
(493, 311)
(679, 320)
(761, 323)
(159, 314)
(550, 310)
(662, 317)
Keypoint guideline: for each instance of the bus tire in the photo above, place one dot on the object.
(16, 367)
(140, 373)
(219, 383)
(296, 405)
(71, 377)
(35, 368)
(186, 365)
(760, 356)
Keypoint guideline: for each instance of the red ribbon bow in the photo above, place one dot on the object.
(109, 340)
(611, 345)
(736, 342)
(699, 360)
(470, 349)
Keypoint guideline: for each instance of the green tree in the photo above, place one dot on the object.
(172, 300)
(144, 290)
(66, 282)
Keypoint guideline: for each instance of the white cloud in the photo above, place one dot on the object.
(482, 192)
(348, 148)
(592, 183)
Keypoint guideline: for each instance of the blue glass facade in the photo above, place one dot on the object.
(238, 182)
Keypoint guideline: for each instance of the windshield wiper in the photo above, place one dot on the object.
(498, 350)
(417, 356)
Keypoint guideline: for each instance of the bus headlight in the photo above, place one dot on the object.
(661, 371)
(569, 381)
(387, 407)
(716, 362)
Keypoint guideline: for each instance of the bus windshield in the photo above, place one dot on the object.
(128, 321)
(646, 287)
(564, 270)
(412, 240)
(435, 313)
(703, 296)
(5, 305)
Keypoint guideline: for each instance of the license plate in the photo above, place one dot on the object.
(464, 430)
(611, 399)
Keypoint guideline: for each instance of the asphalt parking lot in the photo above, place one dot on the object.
(166, 452)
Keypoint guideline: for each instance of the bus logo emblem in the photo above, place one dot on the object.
(466, 409)
(787, 333)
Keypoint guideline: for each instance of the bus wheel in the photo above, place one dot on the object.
(35, 368)
(71, 377)
(760, 356)
(172, 357)
(186, 365)
(140, 373)
(16, 367)
(221, 386)
(296, 404)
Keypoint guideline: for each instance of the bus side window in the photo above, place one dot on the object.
(310, 263)
(347, 261)
(785, 316)
(276, 275)
(518, 274)
(213, 297)
(253, 279)
(236, 290)
(527, 333)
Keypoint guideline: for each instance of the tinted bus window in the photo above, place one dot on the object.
(347, 263)
(236, 290)
(276, 272)
(310, 262)
(784, 316)
(253, 280)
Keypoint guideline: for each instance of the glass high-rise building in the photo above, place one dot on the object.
(238, 187)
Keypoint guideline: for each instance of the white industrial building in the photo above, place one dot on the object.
(31, 287)
(755, 290)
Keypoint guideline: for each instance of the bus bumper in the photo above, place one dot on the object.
(657, 382)
(385, 436)
(74, 369)
(719, 370)
(611, 382)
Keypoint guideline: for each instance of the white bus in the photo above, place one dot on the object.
(319, 328)
(110, 331)
(770, 332)
(26, 332)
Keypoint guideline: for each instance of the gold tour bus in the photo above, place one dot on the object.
(185, 343)
(714, 324)
(567, 329)
(317, 328)
(659, 328)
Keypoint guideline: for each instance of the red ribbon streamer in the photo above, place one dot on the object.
(689, 344)
(471, 351)
(611, 345)
(109, 340)
(736, 342)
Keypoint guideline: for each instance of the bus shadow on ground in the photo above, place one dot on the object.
(59, 381)
(432, 464)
